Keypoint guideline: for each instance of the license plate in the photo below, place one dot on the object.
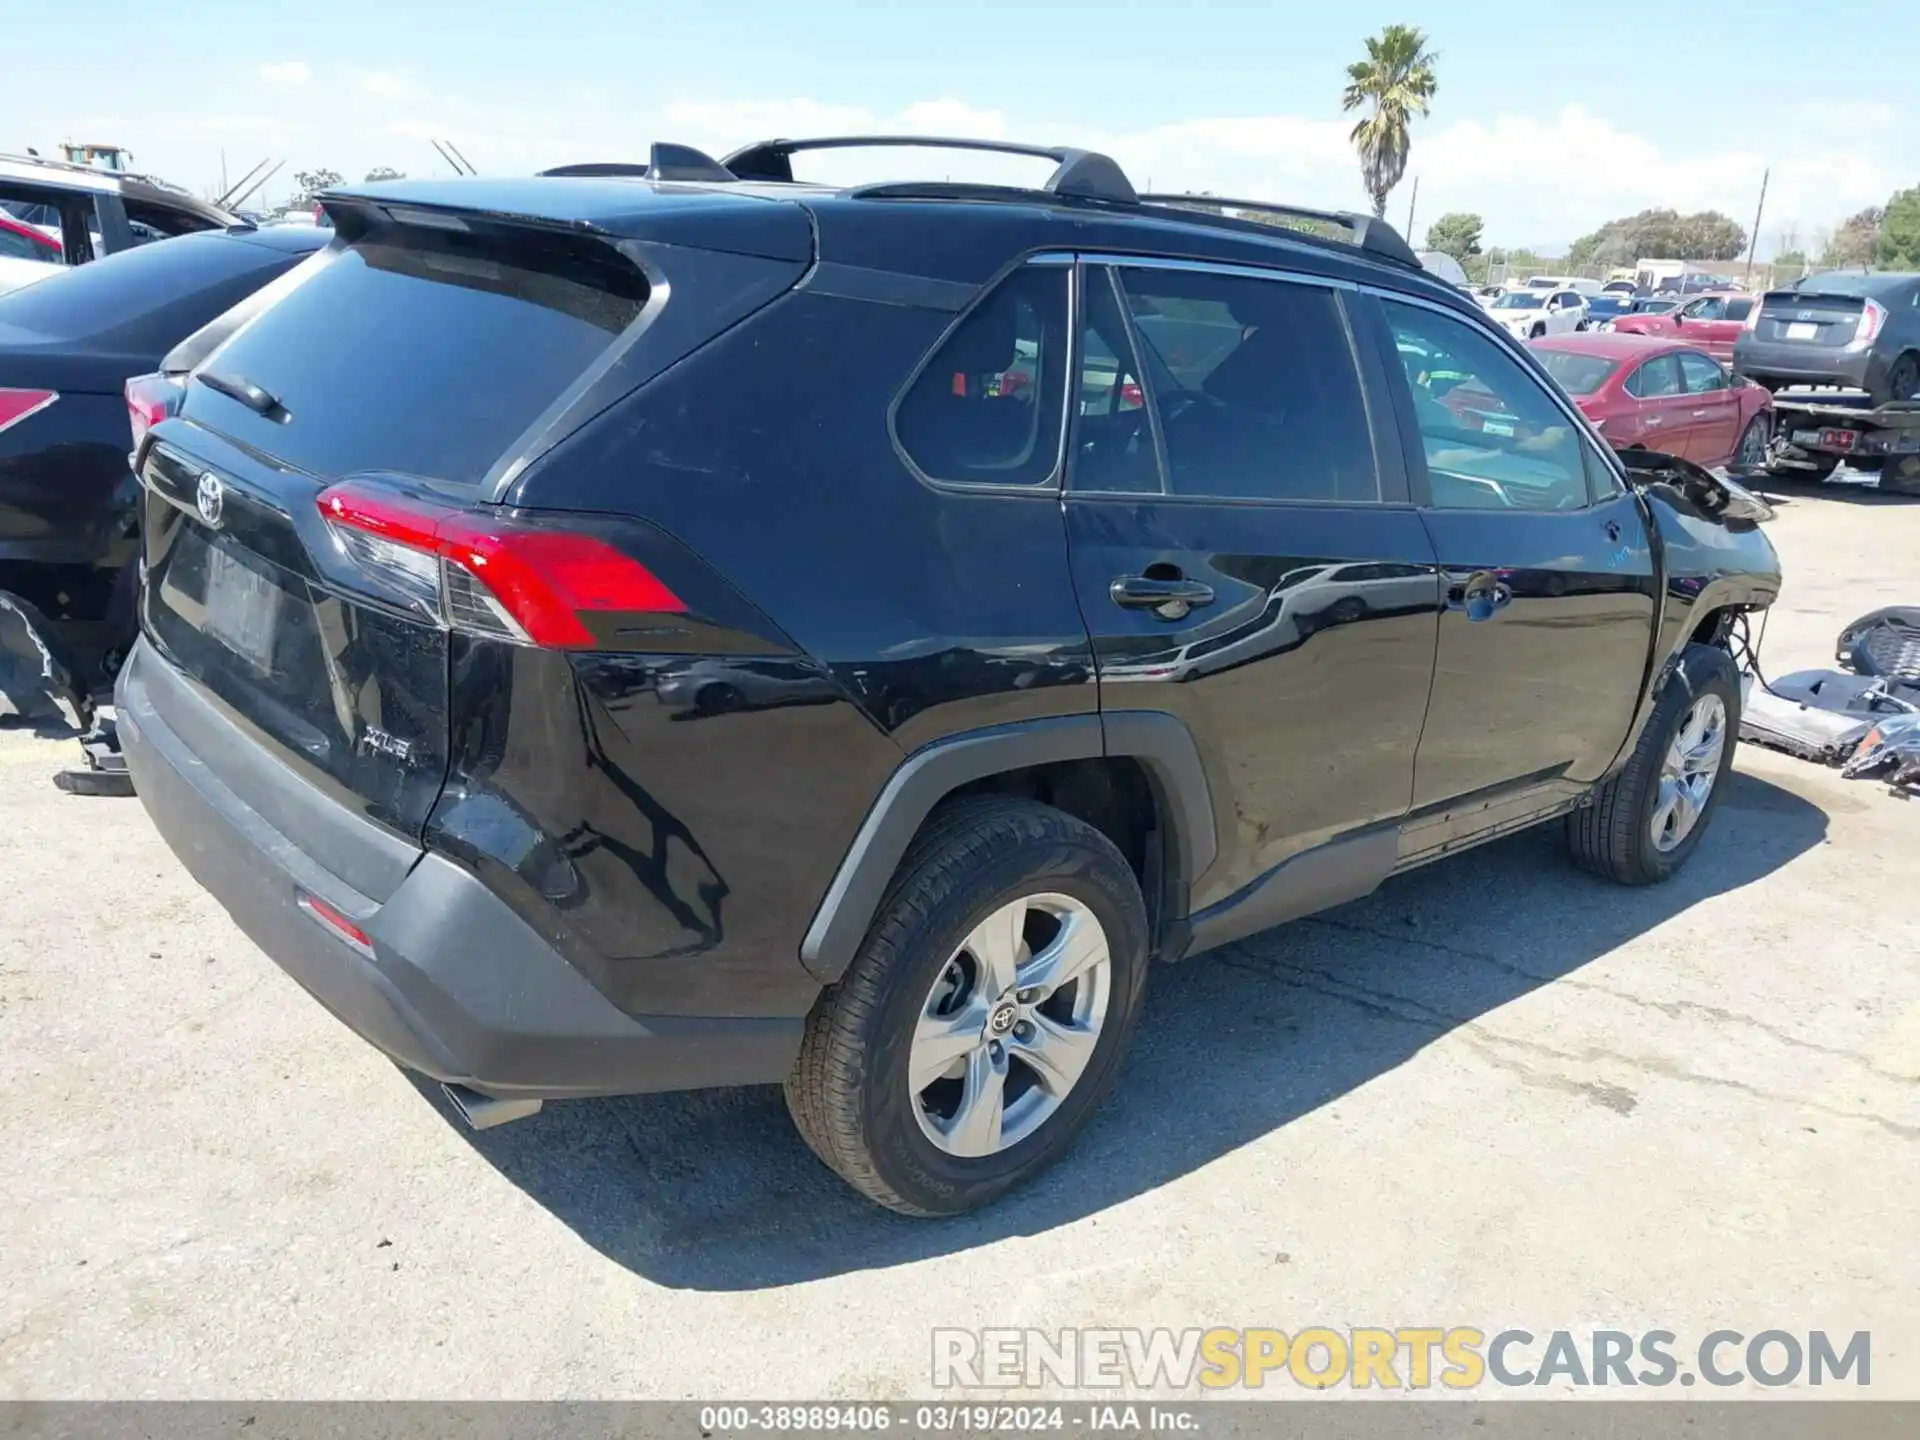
(1803, 330)
(242, 606)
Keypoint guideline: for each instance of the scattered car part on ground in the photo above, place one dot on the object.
(1883, 642)
(1890, 751)
(1662, 393)
(104, 771)
(38, 679)
(394, 701)
(69, 517)
(1855, 329)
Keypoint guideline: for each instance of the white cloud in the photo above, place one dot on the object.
(388, 84)
(287, 72)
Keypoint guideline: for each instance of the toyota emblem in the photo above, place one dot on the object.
(210, 498)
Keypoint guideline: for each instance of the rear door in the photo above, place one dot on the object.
(409, 361)
(1549, 602)
(1713, 414)
(1245, 552)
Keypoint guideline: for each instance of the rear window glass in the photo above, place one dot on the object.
(423, 353)
(1577, 374)
(148, 297)
(1841, 282)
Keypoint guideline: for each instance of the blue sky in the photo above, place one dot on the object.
(1548, 121)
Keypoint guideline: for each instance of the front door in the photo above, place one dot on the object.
(1663, 411)
(1713, 413)
(1245, 552)
(1549, 604)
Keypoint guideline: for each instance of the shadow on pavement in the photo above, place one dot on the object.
(715, 1190)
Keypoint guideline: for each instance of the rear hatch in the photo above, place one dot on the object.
(1820, 321)
(316, 516)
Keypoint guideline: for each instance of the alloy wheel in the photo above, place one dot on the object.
(1688, 773)
(1010, 1025)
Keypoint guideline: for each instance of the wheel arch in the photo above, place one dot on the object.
(1057, 754)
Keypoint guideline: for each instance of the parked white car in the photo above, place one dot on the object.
(1530, 314)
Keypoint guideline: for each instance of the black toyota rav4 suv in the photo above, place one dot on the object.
(642, 631)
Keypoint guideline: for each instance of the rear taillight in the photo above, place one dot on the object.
(151, 399)
(17, 405)
(487, 574)
(1873, 315)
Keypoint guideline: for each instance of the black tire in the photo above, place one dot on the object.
(1740, 462)
(1612, 835)
(1901, 476)
(1902, 382)
(849, 1093)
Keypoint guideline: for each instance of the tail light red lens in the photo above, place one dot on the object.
(490, 575)
(17, 405)
(151, 399)
(1873, 315)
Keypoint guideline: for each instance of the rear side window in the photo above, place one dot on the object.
(987, 406)
(1701, 375)
(424, 353)
(1254, 385)
(16, 246)
(1577, 374)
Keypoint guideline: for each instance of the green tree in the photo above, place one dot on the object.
(385, 172)
(1899, 246)
(1665, 234)
(1457, 234)
(1395, 83)
(1856, 240)
(311, 183)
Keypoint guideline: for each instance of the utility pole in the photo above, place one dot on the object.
(1413, 201)
(1758, 211)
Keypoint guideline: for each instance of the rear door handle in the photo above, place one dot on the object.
(1169, 599)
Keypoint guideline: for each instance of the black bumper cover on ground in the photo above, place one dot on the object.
(460, 988)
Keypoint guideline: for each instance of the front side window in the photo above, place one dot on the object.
(1657, 378)
(1701, 375)
(1492, 434)
(1712, 308)
(986, 408)
(1254, 385)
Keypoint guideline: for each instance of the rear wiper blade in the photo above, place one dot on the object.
(237, 387)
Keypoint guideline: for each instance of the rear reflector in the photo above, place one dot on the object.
(487, 574)
(151, 399)
(17, 405)
(340, 925)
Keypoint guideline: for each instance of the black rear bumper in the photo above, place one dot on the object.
(458, 987)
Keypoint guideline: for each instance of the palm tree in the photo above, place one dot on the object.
(1396, 78)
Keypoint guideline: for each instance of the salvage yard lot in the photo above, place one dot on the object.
(1498, 1093)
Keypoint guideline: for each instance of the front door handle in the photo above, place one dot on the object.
(1479, 595)
(1169, 599)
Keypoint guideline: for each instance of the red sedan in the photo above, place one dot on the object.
(1661, 393)
(1710, 322)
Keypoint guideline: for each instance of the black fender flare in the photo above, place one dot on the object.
(1726, 593)
(1160, 742)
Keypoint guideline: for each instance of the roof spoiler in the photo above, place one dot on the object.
(1083, 174)
(1369, 232)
